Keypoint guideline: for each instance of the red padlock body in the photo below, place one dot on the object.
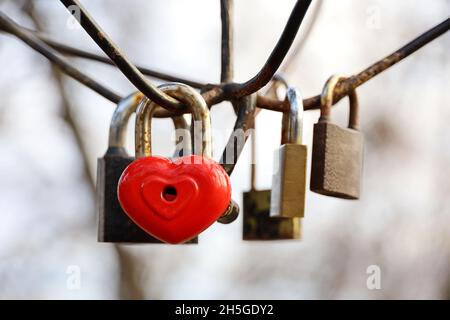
(174, 201)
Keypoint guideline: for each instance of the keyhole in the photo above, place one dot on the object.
(169, 193)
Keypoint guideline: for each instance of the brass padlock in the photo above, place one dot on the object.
(258, 225)
(337, 152)
(289, 178)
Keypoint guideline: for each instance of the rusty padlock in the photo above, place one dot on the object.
(258, 225)
(114, 225)
(337, 152)
(289, 178)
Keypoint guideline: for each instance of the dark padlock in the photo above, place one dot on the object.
(114, 225)
(289, 177)
(337, 152)
(258, 225)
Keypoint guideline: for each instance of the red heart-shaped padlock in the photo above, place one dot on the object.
(174, 200)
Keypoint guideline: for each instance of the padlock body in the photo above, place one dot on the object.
(114, 224)
(174, 200)
(336, 161)
(258, 225)
(289, 182)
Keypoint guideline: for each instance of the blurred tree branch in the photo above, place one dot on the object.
(76, 52)
(129, 288)
(28, 8)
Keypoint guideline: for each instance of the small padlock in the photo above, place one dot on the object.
(174, 200)
(258, 225)
(289, 178)
(337, 152)
(114, 225)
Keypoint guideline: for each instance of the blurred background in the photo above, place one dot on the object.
(52, 130)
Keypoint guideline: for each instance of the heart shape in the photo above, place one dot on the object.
(153, 193)
(174, 201)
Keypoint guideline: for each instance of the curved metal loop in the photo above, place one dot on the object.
(295, 116)
(281, 79)
(326, 102)
(200, 119)
(119, 122)
(143, 141)
(278, 54)
(292, 122)
(277, 80)
(183, 139)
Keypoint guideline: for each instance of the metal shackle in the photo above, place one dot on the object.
(143, 142)
(200, 114)
(326, 102)
(119, 122)
(294, 119)
(276, 81)
(279, 79)
(121, 116)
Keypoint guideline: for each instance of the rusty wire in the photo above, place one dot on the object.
(213, 93)
(345, 87)
(243, 95)
(79, 53)
(120, 59)
(8, 25)
(72, 51)
(212, 96)
(276, 57)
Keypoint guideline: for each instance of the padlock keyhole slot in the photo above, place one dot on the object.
(169, 193)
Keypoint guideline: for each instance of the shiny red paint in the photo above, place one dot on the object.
(198, 193)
